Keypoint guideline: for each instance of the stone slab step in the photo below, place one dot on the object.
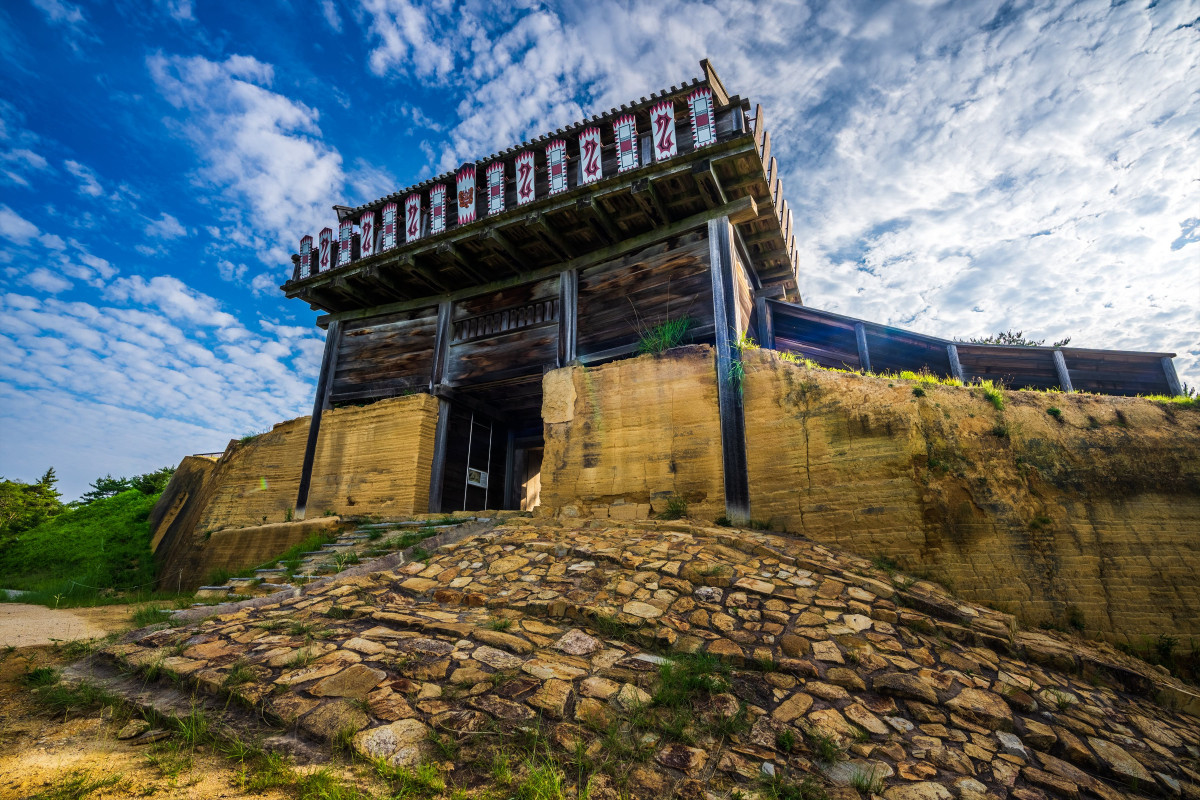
(267, 573)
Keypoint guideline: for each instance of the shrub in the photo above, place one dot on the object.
(676, 508)
(992, 392)
(918, 391)
(1055, 412)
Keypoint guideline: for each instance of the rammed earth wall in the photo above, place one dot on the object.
(1089, 519)
(372, 459)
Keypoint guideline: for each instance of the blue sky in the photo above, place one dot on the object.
(957, 168)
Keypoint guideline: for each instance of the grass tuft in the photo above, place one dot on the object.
(664, 336)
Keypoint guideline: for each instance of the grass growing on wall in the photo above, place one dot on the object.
(70, 559)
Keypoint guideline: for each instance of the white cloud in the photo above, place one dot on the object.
(16, 228)
(165, 227)
(180, 10)
(88, 183)
(173, 297)
(230, 271)
(46, 281)
(329, 10)
(262, 151)
(59, 12)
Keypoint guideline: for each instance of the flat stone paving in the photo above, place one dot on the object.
(568, 623)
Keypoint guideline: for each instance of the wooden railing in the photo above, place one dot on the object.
(841, 342)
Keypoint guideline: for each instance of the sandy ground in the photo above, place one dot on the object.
(41, 755)
(28, 626)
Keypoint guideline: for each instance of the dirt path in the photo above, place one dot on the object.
(29, 626)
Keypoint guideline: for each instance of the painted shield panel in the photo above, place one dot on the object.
(466, 194)
(625, 134)
(495, 187)
(556, 166)
(368, 230)
(345, 235)
(387, 240)
(305, 257)
(662, 124)
(324, 245)
(704, 121)
(437, 208)
(526, 189)
(412, 217)
(590, 168)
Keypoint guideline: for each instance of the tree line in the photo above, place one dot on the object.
(26, 505)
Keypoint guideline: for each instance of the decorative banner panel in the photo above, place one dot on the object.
(368, 231)
(590, 169)
(662, 123)
(324, 244)
(526, 192)
(388, 240)
(437, 209)
(556, 165)
(625, 132)
(466, 194)
(412, 217)
(305, 257)
(495, 187)
(704, 122)
(345, 235)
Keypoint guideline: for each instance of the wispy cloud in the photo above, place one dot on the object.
(89, 184)
(165, 227)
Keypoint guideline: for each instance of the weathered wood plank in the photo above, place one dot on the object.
(729, 396)
(320, 403)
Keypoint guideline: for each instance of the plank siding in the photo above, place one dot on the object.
(505, 334)
(619, 299)
(384, 356)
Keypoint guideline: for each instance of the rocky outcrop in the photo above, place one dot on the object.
(673, 658)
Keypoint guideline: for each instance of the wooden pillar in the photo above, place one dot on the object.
(333, 339)
(1168, 368)
(441, 343)
(766, 330)
(437, 472)
(955, 364)
(1064, 377)
(568, 310)
(864, 356)
(729, 383)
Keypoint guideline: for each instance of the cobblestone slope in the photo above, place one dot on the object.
(662, 658)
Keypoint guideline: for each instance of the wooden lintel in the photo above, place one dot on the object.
(632, 244)
(460, 398)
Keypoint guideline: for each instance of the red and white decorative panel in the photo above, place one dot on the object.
(625, 133)
(704, 119)
(387, 238)
(368, 230)
(412, 217)
(324, 245)
(495, 187)
(437, 209)
(590, 169)
(345, 235)
(306, 257)
(556, 165)
(526, 191)
(466, 194)
(662, 128)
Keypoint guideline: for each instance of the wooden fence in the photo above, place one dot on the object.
(833, 340)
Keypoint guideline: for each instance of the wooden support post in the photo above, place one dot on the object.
(729, 377)
(510, 464)
(568, 308)
(766, 331)
(441, 344)
(1168, 368)
(955, 364)
(864, 356)
(437, 472)
(1064, 376)
(333, 339)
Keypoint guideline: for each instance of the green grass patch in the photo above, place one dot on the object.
(665, 335)
(685, 678)
(992, 393)
(68, 560)
(676, 508)
(77, 785)
(1176, 401)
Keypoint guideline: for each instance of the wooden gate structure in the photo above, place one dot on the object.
(566, 249)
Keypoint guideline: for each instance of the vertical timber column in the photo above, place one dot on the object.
(729, 395)
(333, 339)
(1064, 375)
(568, 314)
(1168, 368)
(955, 364)
(441, 433)
(864, 355)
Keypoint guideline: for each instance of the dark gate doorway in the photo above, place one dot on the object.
(476, 461)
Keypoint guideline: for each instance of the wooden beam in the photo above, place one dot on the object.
(497, 238)
(1168, 368)
(437, 471)
(460, 398)
(607, 231)
(955, 365)
(568, 309)
(766, 337)
(729, 376)
(551, 236)
(450, 250)
(864, 355)
(333, 340)
(1064, 375)
(736, 208)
